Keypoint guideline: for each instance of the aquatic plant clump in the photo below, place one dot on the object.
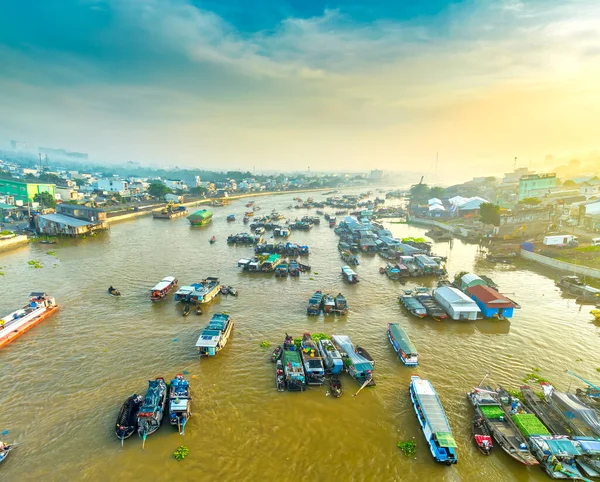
(409, 448)
(265, 344)
(181, 453)
(34, 264)
(533, 378)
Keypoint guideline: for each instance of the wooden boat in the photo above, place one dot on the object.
(232, 291)
(206, 290)
(349, 275)
(186, 309)
(215, 335)
(279, 373)
(293, 369)
(213, 240)
(357, 366)
(431, 306)
(433, 421)
(481, 434)
(5, 451)
(113, 292)
(413, 305)
(294, 268)
(249, 214)
(328, 304)
(198, 310)
(549, 417)
(153, 408)
(341, 306)
(276, 354)
(281, 271)
(365, 354)
(180, 402)
(332, 360)
(500, 425)
(314, 304)
(402, 345)
(305, 268)
(127, 421)
(335, 387)
(13, 325)
(231, 218)
(160, 291)
(313, 363)
(200, 218)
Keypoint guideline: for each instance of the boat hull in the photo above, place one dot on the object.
(27, 325)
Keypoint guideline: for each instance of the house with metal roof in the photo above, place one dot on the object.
(458, 305)
(491, 303)
(470, 279)
(59, 224)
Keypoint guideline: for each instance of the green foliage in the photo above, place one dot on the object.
(158, 189)
(532, 201)
(320, 336)
(181, 453)
(516, 394)
(533, 378)
(51, 253)
(490, 214)
(45, 199)
(588, 249)
(421, 193)
(34, 264)
(6, 232)
(265, 344)
(198, 191)
(569, 183)
(409, 448)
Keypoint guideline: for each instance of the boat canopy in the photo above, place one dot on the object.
(348, 271)
(361, 364)
(185, 290)
(562, 447)
(402, 339)
(434, 412)
(273, 258)
(589, 445)
(571, 403)
(164, 284)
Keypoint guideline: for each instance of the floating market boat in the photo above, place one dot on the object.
(557, 455)
(413, 305)
(186, 309)
(231, 218)
(365, 354)
(481, 434)
(335, 387)
(294, 268)
(276, 354)
(279, 373)
(207, 289)
(13, 325)
(589, 461)
(313, 363)
(184, 293)
(332, 221)
(271, 263)
(341, 306)
(4, 453)
(180, 402)
(392, 272)
(432, 307)
(549, 417)
(582, 419)
(349, 275)
(314, 304)
(127, 420)
(153, 409)
(500, 425)
(215, 335)
(159, 292)
(281, 271)
(349, 258)
(402, 345)
(433, 421)
(200, 218)
(332, 360)
(328, 304)
(293, 370)
(357, 366)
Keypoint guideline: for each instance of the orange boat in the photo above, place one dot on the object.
(12, 326)
(249, 213)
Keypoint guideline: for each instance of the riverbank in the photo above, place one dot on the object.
(561, 265)
(13, 243)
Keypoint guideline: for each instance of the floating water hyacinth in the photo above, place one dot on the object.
(409, 448)
(181, 453)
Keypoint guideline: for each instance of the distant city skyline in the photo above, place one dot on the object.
(348, 85)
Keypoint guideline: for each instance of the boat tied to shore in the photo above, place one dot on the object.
(180, 402)
(433, 421)
(153, 408)
(215, 335)
(13, 325)
(160, 291)
(127, 420)
(402, 345)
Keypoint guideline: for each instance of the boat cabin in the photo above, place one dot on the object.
(349, 275)
(162, 288)
(184, 293)
(215, 335)
(491, 303)
(458, 305)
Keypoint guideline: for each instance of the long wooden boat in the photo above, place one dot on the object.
(153, 409)
(170, 212)
(328, 304)
(180, 402)
(413, 305)
(313, 363)
(215, 335)
(332, 360)
(431, 306)
(314, 303)
(402, 345)
(127, 421)
(13, 325)
(500, 425)
(293, 369)
(349, 275)
(549, 417)
(357, 366)
(279, 374)
(557, 455)
(160, 291)
(481, 433)
(433, 421)
(341, 305)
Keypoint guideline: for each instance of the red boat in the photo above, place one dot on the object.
(481, 435)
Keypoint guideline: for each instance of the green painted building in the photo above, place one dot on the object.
(536, 185)
(23, 191)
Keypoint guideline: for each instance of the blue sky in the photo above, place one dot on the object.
(239, 83)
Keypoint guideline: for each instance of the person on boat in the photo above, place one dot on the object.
(3, 447)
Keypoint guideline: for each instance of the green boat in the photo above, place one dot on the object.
(200, 218)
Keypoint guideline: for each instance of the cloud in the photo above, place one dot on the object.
(325, 80)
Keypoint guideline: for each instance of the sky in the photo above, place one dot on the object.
(287, 84)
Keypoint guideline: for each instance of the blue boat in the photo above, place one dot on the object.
(216, 334)
(314, 304)
(332, 360)
(185, 292)
(153, 409)
(402, 345)
(179, 402)
(231, 217)
(357, 366)
(433, 420)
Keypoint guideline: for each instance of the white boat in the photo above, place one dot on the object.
(215, 335)
(18, 322)
(331, 357)
(349, 275)
(161, 289)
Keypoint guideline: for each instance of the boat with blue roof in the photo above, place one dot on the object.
(357, 366)
(402, 345)
(433, 421)
(332, 360)
(153, 408)
(215, 335)
(293, 369)
(314, 304)
(206, 290)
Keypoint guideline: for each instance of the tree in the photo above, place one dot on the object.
(419, 193)
(437, 192)
(532, 201)
(81, 181)
(158, 190)
(490, 214)
(45, 199)
(198, 191)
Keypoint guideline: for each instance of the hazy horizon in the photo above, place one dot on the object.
(349, 85)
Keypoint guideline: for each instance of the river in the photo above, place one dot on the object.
(64, 381)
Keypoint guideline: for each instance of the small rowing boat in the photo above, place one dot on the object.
(114, 292)
(213, 240)
(481, 434)
(335, 387)
(186, 309)
(5, 451)
(127, 421)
